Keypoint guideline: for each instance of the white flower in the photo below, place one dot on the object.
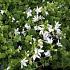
(28, 12)
(8, 68)
(57, 25)
(49, 40)
(2, 11)
(13, 19)
(37, 27)
(46, 13)
(59, 44)
(45, 34)
(58, 31)
(30, 43)
(19, 47)
(27, 53)
(41, 32)
(40, 43)
(17, 31)
(38, 10)
(50, 29)
(40, 28)
(34, 39)
(17, 21)
(23, 62)
(35, 18)
(41, 17)
(35, 56)
(47, 37)
(43, 0)
(27, 26)
(47, 54)
(23, 32)
(37, 53)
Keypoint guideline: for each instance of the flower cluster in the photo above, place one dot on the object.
(46, 35)
(34, 33)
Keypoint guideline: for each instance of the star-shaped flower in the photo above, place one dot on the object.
(23, 62)
(35, 18)
(8, 68)
(23, 32)
(2, 11)
(27, 26)
(40, 43)
(50, 29)
(29, 12)
(37, 53)
(46, 13)
(47, 54)
(57, 27)
(38, 10)
(59, 44)
(47, 37)
(17, 31)
(13, 19)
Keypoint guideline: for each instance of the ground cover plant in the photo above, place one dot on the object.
(34, 34)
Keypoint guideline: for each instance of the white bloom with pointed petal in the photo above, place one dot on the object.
(58, 31)
(34, 39)
(40, 28)
(27, 26)
(57, 25)
(23, 62)
(17, 21)
(50, 29)
(17, 31)
(41, 32)
(8, 68)
(38, 9)
(35, 18)
(35, 56)
(49, 40)
(2, 11)
(46, 13)
(41, 17)
(23, 32)
(47, 54)
(37, 27)
(43, 0)
(40, 43)
(37, 53)
(13, 19)
(47, 37)
(19, 47)
(59, 44)
(28, 12)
